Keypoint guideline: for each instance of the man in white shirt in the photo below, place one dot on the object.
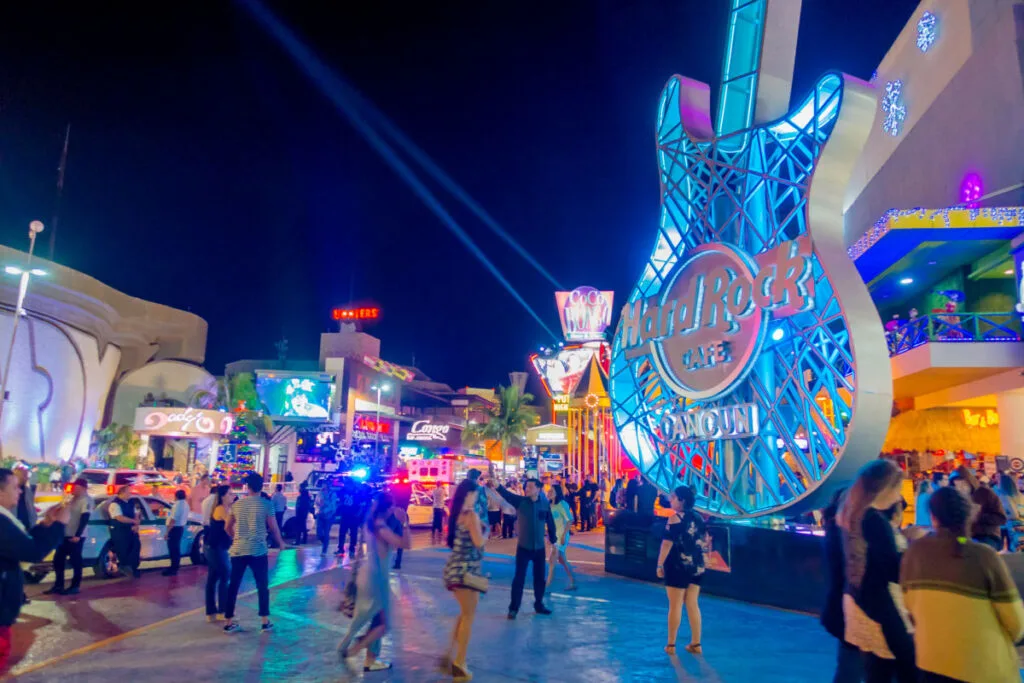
(439, 496)
(177, 520)
(80, 508)
(280, 505)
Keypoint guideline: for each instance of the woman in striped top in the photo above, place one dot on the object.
(966, 609)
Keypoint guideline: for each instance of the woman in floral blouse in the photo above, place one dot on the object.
(681, 564)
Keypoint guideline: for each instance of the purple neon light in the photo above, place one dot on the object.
(971, 190)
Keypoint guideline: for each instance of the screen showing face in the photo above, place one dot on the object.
(299, 397)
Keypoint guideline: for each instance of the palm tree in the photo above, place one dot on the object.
(507, 423)
(238, 395)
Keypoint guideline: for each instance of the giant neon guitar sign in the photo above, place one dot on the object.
(749, 361)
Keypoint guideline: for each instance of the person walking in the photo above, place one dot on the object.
(21, 544)
(922, 517)
(966, 609)
(872, 604)
(588, 499)
(80, 509)
(177, 520)
(1013, 506)
(562, 516)
(614, 497)
(199, 493)
(349, 517)
(463, 575)
(493, 509)
(280, 502)
(438, 498)
(646, 497)
(681, 565)
(849, 662)
(373, 588)
(988, 524)
(535, 519)
(327, 510)
(218, 566)
(303, 506)
(26, 510)
(632, 487)
(247, 525)
(124, 530)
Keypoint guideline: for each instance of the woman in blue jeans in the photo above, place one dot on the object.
(218, 565)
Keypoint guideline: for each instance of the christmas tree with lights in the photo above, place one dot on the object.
(237, 457)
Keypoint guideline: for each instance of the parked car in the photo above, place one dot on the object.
(106, 482)
(98, 551)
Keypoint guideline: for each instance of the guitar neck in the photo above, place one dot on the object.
(760, 50)
(740, 70)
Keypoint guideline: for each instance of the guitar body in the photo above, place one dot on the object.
(750, 362)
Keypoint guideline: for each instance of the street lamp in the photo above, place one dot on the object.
(385, 387)
(26, 273)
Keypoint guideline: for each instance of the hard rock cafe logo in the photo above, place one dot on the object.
(705, 328)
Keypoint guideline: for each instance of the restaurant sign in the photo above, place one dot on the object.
(183, 422)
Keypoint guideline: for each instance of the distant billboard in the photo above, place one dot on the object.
(561, 372)
(585, 313)
(296, 395)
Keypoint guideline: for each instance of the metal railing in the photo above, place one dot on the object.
(954, 327)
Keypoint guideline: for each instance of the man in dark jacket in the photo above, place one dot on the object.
(17, 545)
(534, 513)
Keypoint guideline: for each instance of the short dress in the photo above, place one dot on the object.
(562, 515)
(684, 565)
(464, 559)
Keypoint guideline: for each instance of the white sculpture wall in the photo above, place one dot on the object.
(58, 387)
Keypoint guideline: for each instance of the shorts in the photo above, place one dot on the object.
(438, 520)
(680, 578)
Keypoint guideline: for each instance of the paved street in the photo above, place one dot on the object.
(611, 630)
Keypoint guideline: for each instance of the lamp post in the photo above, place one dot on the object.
(26, 273)
(385, 387)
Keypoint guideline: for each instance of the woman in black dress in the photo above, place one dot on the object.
(681, 564)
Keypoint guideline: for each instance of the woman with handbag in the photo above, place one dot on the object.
(462, 574)
(372, 587)
(562, 515)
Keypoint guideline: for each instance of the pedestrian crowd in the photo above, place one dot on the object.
(933, 602)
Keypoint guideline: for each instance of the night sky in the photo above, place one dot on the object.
(207, 173)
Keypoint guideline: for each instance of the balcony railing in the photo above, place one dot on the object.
(954, 327)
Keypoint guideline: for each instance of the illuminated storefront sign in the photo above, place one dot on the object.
(368, 424)
(425, 430)
(988, 418)
(585, 313)
(563, 371)
(183, 421)
(749, 327)
(707, 325)
(362, 313)
(729, 422)
(560, 403)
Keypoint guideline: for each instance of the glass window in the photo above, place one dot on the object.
(158, 509)
(95, 477)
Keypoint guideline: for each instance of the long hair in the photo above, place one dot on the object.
(557, 491)
(381, 504)
(872, 479)
(952, 511)
(221, 491)
(1008, 487)
(464, 488)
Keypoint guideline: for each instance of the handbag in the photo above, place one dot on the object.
(476, 582)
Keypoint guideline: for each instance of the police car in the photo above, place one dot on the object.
(98, 550)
